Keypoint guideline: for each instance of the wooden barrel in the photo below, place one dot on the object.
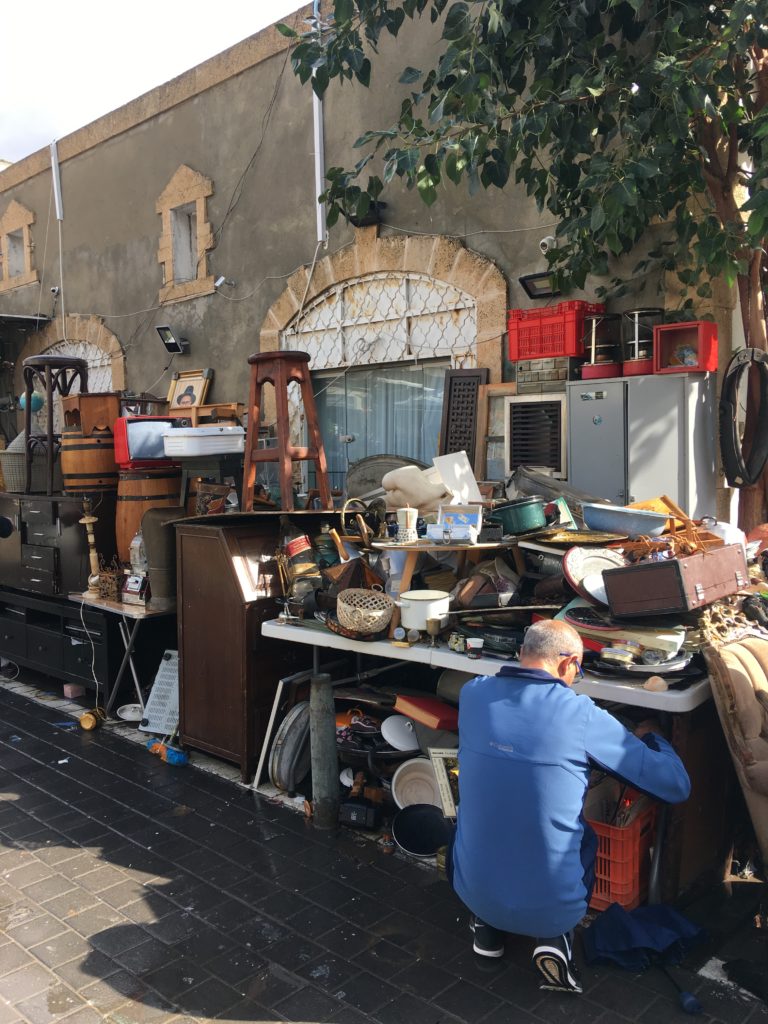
(136, 492)
(88, 462)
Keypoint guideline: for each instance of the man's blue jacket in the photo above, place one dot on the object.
(527, 742)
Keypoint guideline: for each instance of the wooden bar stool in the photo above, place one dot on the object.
(57, 374)
(281, 369)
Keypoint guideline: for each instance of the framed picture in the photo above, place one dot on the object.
(189, 388)
(451, 516)
(445, 762)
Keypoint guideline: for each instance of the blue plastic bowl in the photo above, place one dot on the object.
(631, 522)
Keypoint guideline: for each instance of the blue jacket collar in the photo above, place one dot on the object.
(533, 675)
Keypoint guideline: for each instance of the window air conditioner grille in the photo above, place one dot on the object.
(535, 436)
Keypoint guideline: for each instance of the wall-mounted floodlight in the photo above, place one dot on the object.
(539, 286)
(174, 345)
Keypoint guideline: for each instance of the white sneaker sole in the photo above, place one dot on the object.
(554, 969)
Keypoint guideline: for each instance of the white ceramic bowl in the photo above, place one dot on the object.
(414, 782)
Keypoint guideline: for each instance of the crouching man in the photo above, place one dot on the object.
(523, 858)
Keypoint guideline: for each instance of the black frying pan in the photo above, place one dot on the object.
(421, 829)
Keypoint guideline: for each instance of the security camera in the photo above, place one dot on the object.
(55, 290)
(550, 242)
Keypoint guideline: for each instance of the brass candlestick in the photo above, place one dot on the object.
(93, 577)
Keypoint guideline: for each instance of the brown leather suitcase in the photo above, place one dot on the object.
(676, 585)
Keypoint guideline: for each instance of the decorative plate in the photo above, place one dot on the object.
(593, 586)
(671, 667)
(580, 562)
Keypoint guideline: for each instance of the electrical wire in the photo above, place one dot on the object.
(470, 234)
(237, 191)
(96, 682)
(154, 382)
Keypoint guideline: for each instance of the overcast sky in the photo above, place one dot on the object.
(66, 64)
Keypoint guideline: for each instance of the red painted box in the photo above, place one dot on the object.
(673, 343)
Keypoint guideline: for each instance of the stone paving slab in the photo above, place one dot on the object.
(132, 892)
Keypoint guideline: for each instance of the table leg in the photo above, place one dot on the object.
(129, 639)
(325, 765)
(405, 585)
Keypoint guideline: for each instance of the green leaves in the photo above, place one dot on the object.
(614, 116)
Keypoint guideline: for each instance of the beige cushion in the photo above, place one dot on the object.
(746, 706)
(757, 777)
(759, 650)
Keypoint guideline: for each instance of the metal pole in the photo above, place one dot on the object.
(319, 150)
(322, 737)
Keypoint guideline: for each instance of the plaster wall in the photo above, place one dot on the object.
(213, 119)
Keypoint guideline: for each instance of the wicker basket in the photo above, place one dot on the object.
(364, 611)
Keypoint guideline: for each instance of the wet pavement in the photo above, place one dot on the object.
(140, 893)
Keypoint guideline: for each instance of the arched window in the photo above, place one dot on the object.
(380, 345)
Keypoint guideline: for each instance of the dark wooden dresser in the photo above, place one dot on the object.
(228, 672)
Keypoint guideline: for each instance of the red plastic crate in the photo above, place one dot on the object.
(623, 861)
(553, 331)
(700, 335)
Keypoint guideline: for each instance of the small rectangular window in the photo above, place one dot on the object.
(184, 227)
(15, 246)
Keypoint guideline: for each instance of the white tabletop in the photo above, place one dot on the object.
(618, 691)
(129, 611)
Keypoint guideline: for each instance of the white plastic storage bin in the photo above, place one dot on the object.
(215, 440)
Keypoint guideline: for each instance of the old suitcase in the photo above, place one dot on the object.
(676, 585)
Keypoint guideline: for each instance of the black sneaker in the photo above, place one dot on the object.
(553, 959)
(488, 941)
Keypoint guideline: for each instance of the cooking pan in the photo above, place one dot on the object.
(520, 515)
(421, 829)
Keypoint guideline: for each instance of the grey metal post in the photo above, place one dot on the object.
(322, 737)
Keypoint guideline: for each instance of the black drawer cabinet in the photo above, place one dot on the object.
(13, 636)
(72, 643)
(39, 512)
(45, 647)
(38, 581)
(47, 635)
(46, 547)
(36, 556)
(81, 660)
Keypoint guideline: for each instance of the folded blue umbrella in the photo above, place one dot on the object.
(635, 939)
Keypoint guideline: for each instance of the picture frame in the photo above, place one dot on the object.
(451, 516)
(445, 763)
(189, 388)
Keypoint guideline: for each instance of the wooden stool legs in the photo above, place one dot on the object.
(281, 369)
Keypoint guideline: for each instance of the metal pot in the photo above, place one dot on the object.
(416, 606)
(521, 515)
(421, 829)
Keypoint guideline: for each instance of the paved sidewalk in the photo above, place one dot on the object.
(138, 893)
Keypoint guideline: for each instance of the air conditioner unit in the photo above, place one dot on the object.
(534, 433)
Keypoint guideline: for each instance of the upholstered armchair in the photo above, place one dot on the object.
(739, 675)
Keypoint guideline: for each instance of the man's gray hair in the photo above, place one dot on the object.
(550, 639)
